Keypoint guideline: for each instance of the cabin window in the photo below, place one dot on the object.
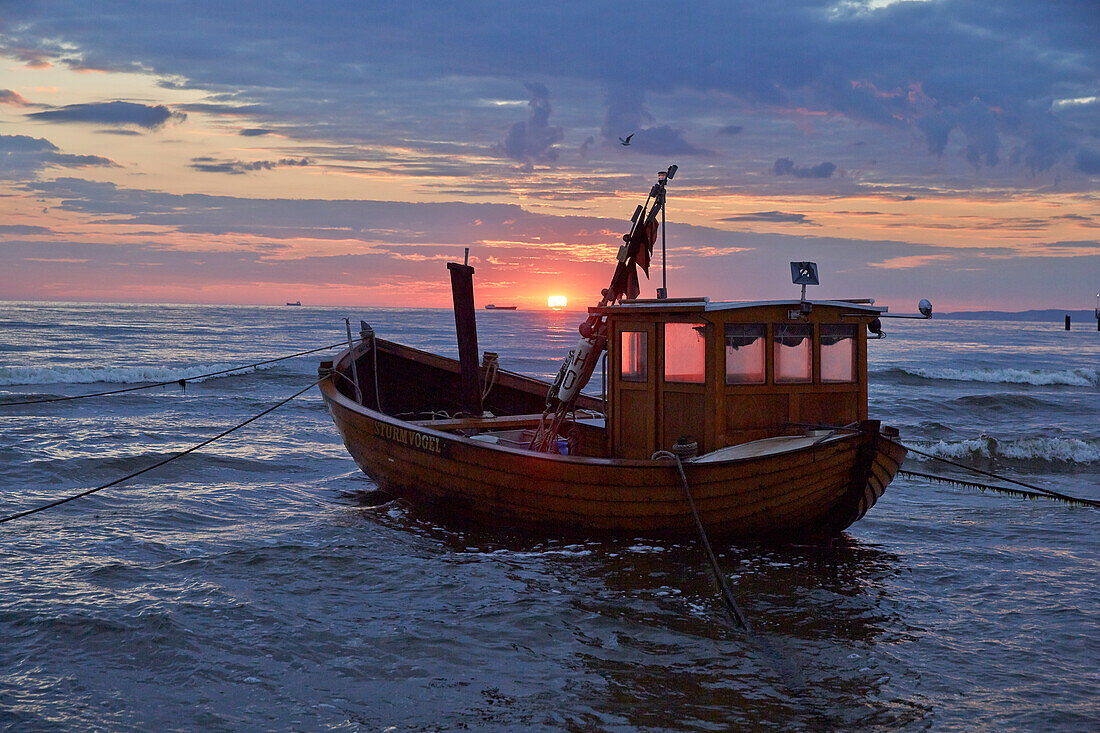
(634, 367)
(838, 352)
(745, 353)
(685, 352)
(793, 352)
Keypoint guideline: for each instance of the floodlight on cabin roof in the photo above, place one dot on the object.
(804, 273)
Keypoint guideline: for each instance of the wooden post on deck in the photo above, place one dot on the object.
(462, 290)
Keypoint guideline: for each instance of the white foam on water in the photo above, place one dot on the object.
(1051, 450)
(112, 375)
(643, 549)
(1083, 377)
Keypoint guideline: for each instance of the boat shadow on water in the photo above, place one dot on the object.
(642, 613)
(835, 589)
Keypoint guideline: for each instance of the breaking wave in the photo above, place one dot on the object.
(112, 375)
(1083, 377)
(1046, 450)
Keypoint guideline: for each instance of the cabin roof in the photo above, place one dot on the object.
(701, 305)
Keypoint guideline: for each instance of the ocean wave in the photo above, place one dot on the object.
(185, 467)
(1003, 401)
(1083, 377)
(1045, 450)
(113, 375)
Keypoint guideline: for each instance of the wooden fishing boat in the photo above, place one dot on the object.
(765, 403)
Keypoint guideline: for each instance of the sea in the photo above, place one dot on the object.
(257, 585)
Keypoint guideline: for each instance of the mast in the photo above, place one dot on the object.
(576, 370)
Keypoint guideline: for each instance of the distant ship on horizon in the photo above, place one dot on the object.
(297, 302)
(492, 307)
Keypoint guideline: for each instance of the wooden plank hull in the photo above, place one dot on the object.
(813, 491)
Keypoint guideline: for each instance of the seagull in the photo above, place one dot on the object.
(626, 140)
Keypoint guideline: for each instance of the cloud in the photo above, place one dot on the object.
(915, 69)
(978, 124)
(33, 58)
(20, 144)
(22, 157)
(625, 113)
(533, 140)
(1046, 138)
(1087, 161)
(777, 217)
(368, 244)
(224, 109)
(23, 230)
(785, 166)
(255, 132)
(1085, 221)
(7, 96)
(240, 167)
(663, 140)
(391, 222)
(112, 113)
(937, 131)
(730, 130)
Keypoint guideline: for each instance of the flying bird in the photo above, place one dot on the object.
(626, 140)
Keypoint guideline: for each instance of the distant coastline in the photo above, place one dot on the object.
(1049, 314)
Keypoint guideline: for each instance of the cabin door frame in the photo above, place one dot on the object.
(680, 408)
(633, 401)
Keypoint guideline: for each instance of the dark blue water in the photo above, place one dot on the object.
(245, 587)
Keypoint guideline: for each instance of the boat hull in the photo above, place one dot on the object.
(812, 491)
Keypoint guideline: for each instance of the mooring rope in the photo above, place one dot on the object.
(723, 584)
(171, 458)
(1022, 493)
(1044, 492)
(180, 382)
(789, 672)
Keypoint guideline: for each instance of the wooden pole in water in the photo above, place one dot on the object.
(1067, 321)
(462, 290)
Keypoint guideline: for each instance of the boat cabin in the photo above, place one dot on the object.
(726, 373)
(676, 371)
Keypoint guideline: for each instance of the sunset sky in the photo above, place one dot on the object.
(343, 152)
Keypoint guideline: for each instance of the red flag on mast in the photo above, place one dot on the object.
(639, 250)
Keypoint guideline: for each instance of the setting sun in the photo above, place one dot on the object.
(557, 302)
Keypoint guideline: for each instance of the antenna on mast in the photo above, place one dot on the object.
(663, 177)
